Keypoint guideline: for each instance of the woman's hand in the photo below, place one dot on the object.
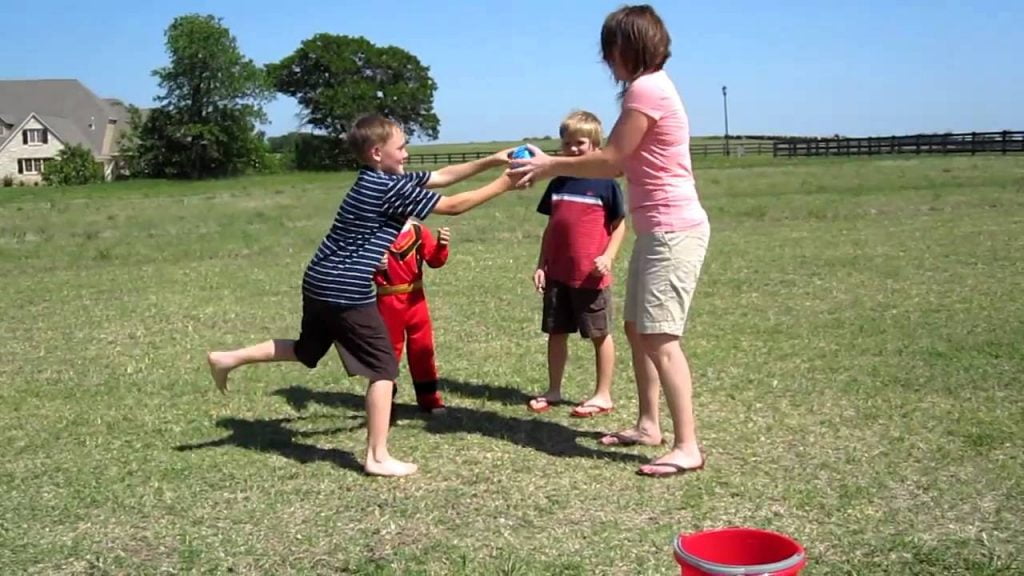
(526, 171)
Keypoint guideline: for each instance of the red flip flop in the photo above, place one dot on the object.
(542, 405)
(579, 411)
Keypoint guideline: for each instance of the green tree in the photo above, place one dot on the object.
(73, 166)
(336, 79)
(133, 156)
(213, 98)
(284, 143)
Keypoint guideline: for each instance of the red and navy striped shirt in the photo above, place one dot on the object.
(581, 212)
(369, 219)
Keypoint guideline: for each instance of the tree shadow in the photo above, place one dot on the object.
(275, 437)
(503, 394)
(544, 436)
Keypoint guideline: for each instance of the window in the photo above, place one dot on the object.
(31, 165)
(34, 136)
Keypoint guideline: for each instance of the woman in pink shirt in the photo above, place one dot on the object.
(650, 143)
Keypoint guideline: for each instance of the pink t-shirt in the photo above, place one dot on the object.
(662, 190)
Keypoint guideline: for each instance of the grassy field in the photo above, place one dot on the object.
(856, 344)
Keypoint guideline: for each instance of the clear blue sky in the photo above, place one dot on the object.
(509, 69)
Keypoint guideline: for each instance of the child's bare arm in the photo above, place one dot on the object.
(543, 249)
(618, 234)
(603, 263)
(540, 273)
(458, 172)
(465, 201)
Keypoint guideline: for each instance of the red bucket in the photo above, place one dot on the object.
(737, 552)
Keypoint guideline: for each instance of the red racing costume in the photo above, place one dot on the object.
(403, 306)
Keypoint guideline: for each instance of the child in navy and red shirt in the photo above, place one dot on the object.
(586, 226)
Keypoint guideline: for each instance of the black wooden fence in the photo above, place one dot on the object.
(972, 143)
(1004, 142)
(731, 149)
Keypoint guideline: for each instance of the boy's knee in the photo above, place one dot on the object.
(378, 381)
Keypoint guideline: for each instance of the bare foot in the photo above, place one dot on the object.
(675, 462)
(220, 366)
(631, 437)
(389, 467)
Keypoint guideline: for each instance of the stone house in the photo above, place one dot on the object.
(40, 117)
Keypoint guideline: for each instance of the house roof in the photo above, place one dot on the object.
(65, 129)
(70, 109)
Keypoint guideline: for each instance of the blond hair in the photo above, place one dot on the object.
(581, 123)
(369, 131)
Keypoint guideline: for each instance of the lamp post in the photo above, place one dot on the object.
(725, 105)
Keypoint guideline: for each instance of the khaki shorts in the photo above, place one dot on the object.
(663, 272)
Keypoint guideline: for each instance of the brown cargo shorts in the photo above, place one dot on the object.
(358, 332)
(568, 309)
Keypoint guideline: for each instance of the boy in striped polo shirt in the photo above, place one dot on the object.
(338, 297)
(586, 225)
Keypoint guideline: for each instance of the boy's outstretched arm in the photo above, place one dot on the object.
(465, 201)
(458, 172)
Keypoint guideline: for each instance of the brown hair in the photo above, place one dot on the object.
(637, 37)
(581, 123)
(369, 131)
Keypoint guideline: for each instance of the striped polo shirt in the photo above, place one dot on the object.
(368, 221)
(581, 212)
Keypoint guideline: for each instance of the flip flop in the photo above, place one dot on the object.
(619, 439)
(580, 410)
(542, 404)
(677, 470)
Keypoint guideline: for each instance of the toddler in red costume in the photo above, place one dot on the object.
(403, 305)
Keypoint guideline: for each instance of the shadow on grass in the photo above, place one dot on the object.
(502, 394)
(541, 435)
(275, 437)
